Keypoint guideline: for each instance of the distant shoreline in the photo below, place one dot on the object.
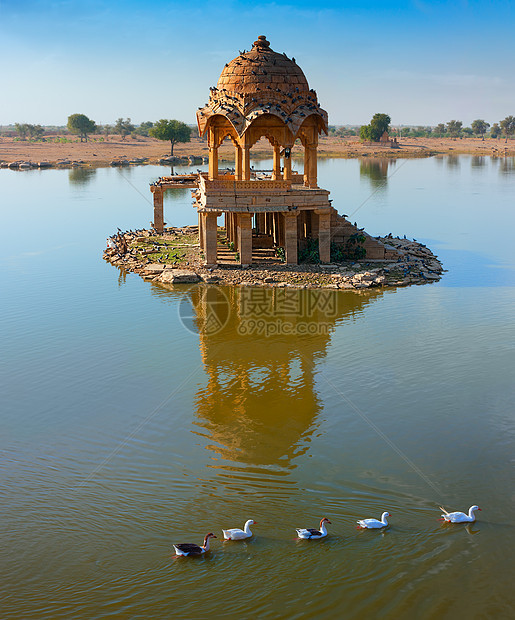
(106, 153)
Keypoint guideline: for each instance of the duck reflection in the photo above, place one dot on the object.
(376, 170)
(260, 347)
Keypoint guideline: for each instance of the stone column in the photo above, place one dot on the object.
(210, 237)
(312, 172)
(260, 223)
(280, 221)
(245, 238)
(324, 234)
(287, 167)
(236, 221)
(290, 237)
(226, 224)
(313, 224)
(158, 192)
(238, 160)
(233, 227)
(276, 174)
(275, 228)
(307, 157)
(213, 163)
(201, 238)
(246, 163)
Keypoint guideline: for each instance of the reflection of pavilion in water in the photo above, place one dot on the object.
(260, 404)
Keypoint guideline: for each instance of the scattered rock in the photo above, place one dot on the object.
(154, 268)
(179, 276)
(416, 264)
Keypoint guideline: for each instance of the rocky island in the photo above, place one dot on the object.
(174, 257)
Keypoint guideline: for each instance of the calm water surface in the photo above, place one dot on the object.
(135, 416)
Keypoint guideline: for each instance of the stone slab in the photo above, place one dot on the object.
(154, 268)
(179, 276)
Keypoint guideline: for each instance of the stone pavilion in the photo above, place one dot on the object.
(263, 93)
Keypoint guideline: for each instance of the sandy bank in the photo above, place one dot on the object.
(101, 153)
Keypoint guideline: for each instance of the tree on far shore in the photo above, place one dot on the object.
(144, 128)
(26, 129)
(172, 130)
(508, 126)
(480, 127)
(22, 129)
(378, 125)
(106, 130)
(123, 127)
(454, 128)
(80, 124)
(495, 132)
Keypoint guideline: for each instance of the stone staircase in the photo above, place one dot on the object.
(342, 230)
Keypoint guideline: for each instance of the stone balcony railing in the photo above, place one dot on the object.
(228, 183)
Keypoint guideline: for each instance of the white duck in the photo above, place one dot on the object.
(370, 524)
(191, 549)
(310, 533)
(237, 534)
(459, 517)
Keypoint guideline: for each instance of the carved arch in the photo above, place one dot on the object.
(220, 127)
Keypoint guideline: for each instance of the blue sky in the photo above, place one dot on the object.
(422, 62)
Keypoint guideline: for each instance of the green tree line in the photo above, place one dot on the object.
(451, 129)
(172, 131)
(25, 130)
(175, 131)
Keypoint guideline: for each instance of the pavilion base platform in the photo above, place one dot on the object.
(275, 214)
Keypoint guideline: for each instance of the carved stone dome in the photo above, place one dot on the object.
(260, 68)
(258, 83)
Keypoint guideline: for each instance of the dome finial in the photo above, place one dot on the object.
(262, 42)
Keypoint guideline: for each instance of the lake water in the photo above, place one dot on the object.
(134, 416)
